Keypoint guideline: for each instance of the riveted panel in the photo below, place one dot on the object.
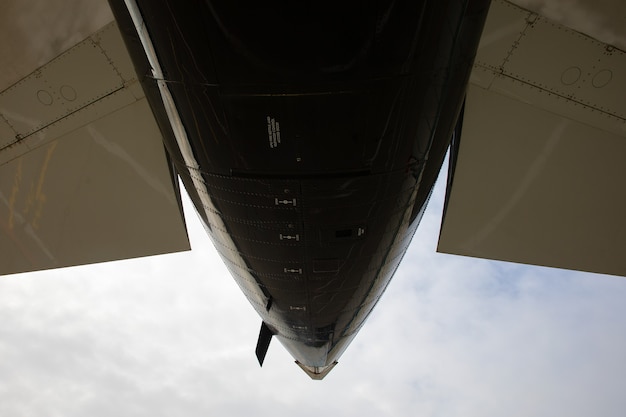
(7, 134)
(74, 80)
(505, 25)
(572, 65)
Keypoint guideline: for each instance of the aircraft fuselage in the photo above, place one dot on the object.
(309, 136)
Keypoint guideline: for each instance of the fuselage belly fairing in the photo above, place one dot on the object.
(309, 136)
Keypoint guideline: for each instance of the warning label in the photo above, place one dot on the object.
(273, 132)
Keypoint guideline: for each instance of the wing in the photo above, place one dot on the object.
(84, 176)
(540, 176)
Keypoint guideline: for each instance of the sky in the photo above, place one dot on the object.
(173, 335)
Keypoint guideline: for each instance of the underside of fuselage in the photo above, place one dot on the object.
(309, 136)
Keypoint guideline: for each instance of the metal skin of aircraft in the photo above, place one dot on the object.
(310, 138)
(308, 135)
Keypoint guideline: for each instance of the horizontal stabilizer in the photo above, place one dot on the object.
(84, 176)
(540, 174)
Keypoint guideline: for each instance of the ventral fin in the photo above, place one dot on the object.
(265, 337)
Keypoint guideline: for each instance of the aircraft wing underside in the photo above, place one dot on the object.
(84, 176)
(540, 176)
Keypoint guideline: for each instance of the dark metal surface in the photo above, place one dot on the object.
(263, 344)
(319, 129)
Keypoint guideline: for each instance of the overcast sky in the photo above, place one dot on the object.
(173, 336)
